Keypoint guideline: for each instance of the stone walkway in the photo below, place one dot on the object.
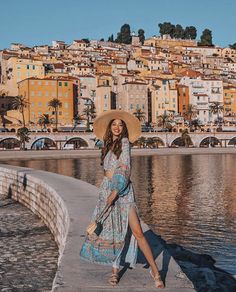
(29, 255)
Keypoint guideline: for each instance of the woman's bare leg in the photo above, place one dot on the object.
(142, 242)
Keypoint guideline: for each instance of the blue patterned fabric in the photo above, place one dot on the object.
(115, 244)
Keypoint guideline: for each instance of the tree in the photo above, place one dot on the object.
(20, 103)
(166, 28)
(89, 112)
(190, 112)
(111, 38)
(216, 108)
(55, 104)
(141, 35)
(206, 38)
(233, 46)
(178, 32)
(164, 120)
(23, 135)
(44, 120)
(140, 115)
(186, 138)
(190, 32)
(124, 36)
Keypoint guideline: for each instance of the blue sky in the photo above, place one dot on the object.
(39, 22)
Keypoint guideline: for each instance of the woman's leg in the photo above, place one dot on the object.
(142, 242)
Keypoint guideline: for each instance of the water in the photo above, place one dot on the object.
(189, 200)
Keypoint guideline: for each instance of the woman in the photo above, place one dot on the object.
(121, 234)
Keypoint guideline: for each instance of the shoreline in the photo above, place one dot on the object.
(7, 155)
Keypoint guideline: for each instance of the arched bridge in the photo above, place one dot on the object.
(68, 140)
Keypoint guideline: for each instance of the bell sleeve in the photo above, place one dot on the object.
(121, 176)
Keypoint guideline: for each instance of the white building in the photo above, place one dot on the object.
(203, 93)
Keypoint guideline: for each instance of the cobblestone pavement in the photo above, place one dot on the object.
(28, 253)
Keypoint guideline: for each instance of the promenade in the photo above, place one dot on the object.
(79, 199)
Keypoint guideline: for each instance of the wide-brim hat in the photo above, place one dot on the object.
(102, 121)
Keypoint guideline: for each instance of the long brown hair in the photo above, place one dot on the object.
(115, 145)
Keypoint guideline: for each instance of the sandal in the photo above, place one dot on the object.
(158, 281)
(114, 279)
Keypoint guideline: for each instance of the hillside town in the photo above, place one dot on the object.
(163, 79)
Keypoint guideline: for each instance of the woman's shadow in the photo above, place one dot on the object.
(199, 268)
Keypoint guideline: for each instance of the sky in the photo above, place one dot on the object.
(32, 22)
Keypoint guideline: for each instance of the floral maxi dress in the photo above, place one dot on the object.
(116, 244)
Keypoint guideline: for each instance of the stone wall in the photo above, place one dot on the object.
(40, 198)
(64, 205)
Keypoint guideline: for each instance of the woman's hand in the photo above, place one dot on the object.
(111, 198)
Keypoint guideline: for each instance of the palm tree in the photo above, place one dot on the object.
(186, 138)
(191, 112)
(141, 116)
(90, 112)
(23, 134)
(44, 120)
(164, 120)
(141, 142)
(55, 104)
(216, 108)
(20, 103)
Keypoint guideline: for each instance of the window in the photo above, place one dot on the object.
(66, 83)
(39, 93)
(33, 67)
(131, 96)
(137, 96)
(39, 113)
(32, 82)
(32, 104)
(46, 93)
(60, 83)
(66, 94)
(143, 106)
(66, 104)
(131, 106)
(105, 96)
(28, 67)
(40, 103)
(59, 94)
(137, 106)
(32, 93)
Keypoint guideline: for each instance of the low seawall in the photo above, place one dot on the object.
(65, 205)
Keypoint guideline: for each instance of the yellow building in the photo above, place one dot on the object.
(38, 93)
(164, 97)
(18, 69)
(229, 100)
(167, 42)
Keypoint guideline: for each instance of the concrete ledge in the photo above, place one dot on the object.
(65, 205)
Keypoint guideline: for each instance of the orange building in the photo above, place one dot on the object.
(39, 92)
(183, 98)
(230, 100)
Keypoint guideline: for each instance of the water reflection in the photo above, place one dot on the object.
(189, 200)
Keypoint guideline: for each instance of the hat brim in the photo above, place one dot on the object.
(102, 121)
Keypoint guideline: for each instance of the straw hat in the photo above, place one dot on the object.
(102, 121)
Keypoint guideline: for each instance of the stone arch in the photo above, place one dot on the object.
(44, 143)
(210, 141)
(10, 143)
(179, 142)
(75, 143)
(232, 142)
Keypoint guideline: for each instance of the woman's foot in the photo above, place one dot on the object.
(114, 279)
(157, 279)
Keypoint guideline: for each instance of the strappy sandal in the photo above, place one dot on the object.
(114, 279)
(158, 281)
